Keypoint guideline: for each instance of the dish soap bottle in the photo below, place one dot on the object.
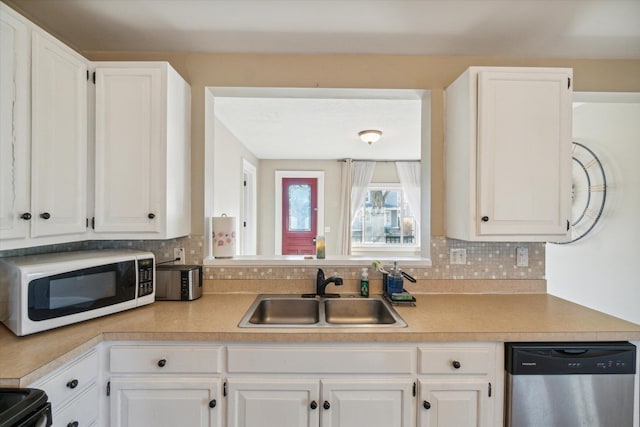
(364, 283)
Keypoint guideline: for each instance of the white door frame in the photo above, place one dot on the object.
(278, 216)
(248, 210)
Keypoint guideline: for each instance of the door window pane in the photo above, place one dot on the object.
(299, 207)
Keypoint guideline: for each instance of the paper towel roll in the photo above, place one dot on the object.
(223, 233)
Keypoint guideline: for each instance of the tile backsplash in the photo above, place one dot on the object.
(486, 261)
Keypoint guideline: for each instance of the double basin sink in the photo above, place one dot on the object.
(292, 311)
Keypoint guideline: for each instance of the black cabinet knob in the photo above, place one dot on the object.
(485, 219)
(213, 403)
(26, 216)
(45, 215)
(314, 404)
(151, 216)
(73, 424)
(72, 384)
(326, 405)
(456, 364)
(162, 363)
(426, 405)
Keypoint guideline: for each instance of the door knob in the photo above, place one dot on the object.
(426, 405)
(26, 216)
(326, 405)
(313, 404)
(45, 215)
(485, 219)
(162, 363)
(456, 364)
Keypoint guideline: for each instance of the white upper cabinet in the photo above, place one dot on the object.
(59, 138)
(43, 118)
(507, 154)
(14, 126)
(142, 187)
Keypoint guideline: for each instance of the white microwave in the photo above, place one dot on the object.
(41, 292)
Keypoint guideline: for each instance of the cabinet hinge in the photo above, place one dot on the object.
(109, 388)
(489, 390)
(224, 389)
(94, 77)
(569, 83)
(415, 388)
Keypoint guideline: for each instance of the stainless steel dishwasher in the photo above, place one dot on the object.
(569, 384)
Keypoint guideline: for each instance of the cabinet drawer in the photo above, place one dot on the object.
(83, 410)
(456, 360)
(69, 382)
(165, 359)
(321, 360)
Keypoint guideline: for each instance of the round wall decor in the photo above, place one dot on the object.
(588, 191)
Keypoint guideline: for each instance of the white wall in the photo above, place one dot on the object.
(228, 153)
(602, 270)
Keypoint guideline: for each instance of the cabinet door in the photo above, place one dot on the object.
(524, 161)
(372, 403)
(461, 403)
(165, 402)
(59, 138)
(14, 127)
(128, 149)
(273, 403)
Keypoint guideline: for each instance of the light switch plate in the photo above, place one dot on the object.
(522, 257)
(458, 256)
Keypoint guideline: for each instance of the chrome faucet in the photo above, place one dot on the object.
(321, 284)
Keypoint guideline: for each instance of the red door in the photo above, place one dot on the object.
(299, 216)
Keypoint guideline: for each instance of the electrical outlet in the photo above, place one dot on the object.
(179, 253)
(458, 256)
(522, 257)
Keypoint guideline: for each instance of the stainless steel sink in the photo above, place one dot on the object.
(292, 311)
(274, 311)
(358, 311)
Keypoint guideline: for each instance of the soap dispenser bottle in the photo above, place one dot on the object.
(364, 282)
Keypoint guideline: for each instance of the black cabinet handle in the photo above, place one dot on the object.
(314, 404)
(162, 363)
(45, 215)
(151, 216)
(73, 424)
(456, 364)
(72, 384)
(213, 404)
(426, 405)
(326, 405)
(485, 219)
(26, 216)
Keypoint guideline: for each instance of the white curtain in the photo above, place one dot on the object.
(409, 174)
(356, 177)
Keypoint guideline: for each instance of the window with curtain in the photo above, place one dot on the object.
(385, 219)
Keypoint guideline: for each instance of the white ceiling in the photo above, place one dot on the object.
(322, 123)
(522, 28)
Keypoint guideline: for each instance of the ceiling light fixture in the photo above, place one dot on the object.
(370, 135)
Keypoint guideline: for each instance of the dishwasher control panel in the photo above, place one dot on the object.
(570, 358)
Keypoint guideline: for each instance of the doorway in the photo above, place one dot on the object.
(299, 211)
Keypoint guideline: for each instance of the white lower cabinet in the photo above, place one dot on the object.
(73, 391)
(454, 403)
(192, 384)
(165, 401)
(272, 402)
(321, 385)
(165, 385)
(458, 385)
(340, 402)
(354, 402)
